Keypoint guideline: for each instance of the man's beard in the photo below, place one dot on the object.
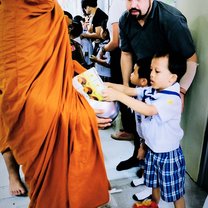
(140, 16)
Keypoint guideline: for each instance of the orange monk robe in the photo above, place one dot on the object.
(50, 128)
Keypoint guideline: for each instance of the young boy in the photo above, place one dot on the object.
(103, 65)
(140, 78)
(161, 115)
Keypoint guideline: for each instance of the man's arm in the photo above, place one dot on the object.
(114, 41)
(188, 77)
(126, 66)
(94, 35)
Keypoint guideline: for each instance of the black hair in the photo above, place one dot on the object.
(144, 68)
(78, 18)
(69, 15)
(91, 3)
(84, 12)
(76, 30)
(176, 63)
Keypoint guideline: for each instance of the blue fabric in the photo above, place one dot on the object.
(166, 171)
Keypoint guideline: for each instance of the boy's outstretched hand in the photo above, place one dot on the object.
(109, 94)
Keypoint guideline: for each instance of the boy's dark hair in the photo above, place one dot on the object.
(76, 30)
(144, 68)
(68, 14)
(91, 3)
(78, 18)
(176, 63)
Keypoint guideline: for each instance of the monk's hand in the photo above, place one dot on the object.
(102, 122)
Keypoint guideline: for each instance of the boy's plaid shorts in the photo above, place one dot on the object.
(167, 171)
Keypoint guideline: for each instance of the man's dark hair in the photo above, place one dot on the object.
(144, 68)
(91, 3)
(176, 63)
(68, 14)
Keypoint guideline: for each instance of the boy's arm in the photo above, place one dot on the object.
(130, 91)
(110, 94)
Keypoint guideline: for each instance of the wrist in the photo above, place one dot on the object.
(182, 91)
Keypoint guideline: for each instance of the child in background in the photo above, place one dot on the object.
(75, 29)
(103, 65)
(140, 78)
(86, 43)
(161, 116)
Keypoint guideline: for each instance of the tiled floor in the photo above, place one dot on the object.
(114, 152)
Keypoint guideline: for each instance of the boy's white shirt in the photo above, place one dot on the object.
(103, 70)
(162, 132)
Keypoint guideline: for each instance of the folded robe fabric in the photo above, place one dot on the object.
(50, 128)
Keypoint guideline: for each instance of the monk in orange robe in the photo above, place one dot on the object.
(50, 128)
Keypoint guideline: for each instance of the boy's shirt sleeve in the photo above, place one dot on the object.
(168, 107)
(140, 92)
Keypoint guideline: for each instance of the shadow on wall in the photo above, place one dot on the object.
(194, 119)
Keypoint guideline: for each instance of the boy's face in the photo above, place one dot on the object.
(160, 75)
(134, 78)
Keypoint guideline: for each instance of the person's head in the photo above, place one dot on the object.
(68, 17)
(166, 69)
(139, 8)
(141, 74)
(87, 5)
(76, 29)
(104, 33)
(79, 18)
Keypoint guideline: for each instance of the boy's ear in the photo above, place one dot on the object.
(144, 82)
(173, 78)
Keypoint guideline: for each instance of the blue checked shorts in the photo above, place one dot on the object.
(167, 171)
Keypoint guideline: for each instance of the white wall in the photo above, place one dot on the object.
(196, 103)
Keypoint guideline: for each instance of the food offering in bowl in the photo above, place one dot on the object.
(110, 109)
(90, 85)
